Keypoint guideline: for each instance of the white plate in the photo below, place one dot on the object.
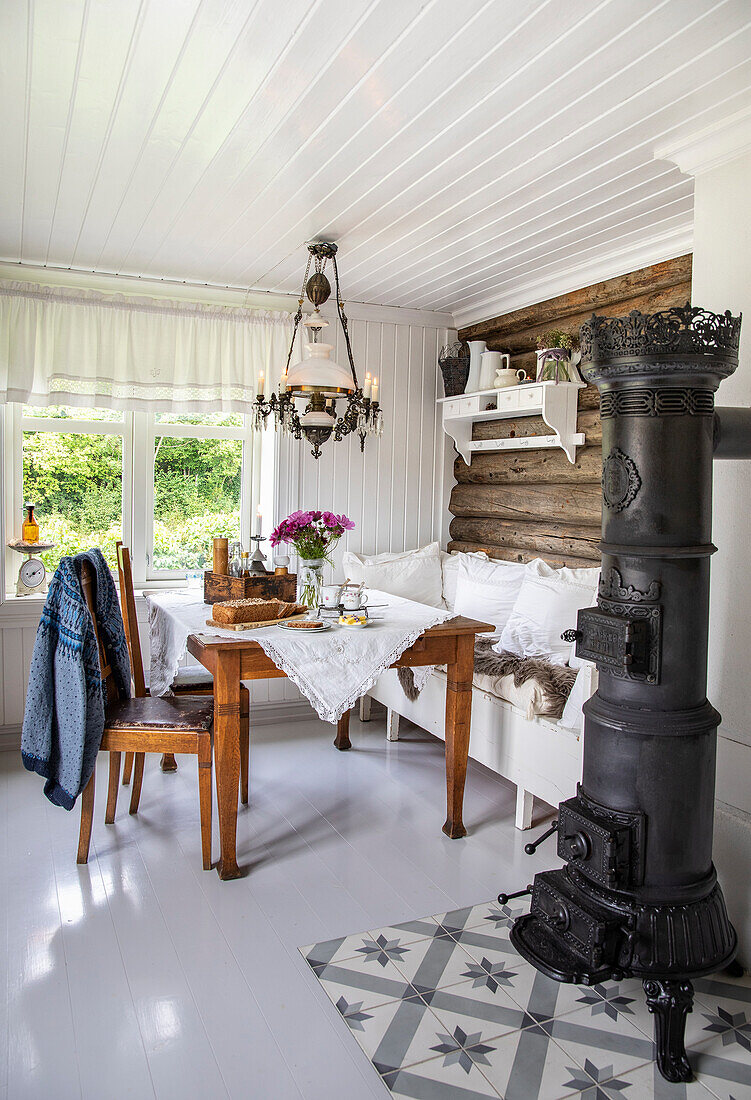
(307, 630)
(355, 626)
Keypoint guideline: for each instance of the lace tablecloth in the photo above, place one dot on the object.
(332, 669)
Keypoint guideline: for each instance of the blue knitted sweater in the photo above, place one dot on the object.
(64, 717)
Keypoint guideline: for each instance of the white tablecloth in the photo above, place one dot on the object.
(332, 669)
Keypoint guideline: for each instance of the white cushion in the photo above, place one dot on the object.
(487, 590)
(414, 574)
(450, 567)
(547, 604)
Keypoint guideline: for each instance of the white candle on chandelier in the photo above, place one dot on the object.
(259, 520)
(366, 386)
(374, 391)
(260, 383)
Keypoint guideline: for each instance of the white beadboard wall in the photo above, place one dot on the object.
(396, 492)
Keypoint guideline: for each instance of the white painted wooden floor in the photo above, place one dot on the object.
(142, 975)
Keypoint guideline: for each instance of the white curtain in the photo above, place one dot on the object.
(62, 346)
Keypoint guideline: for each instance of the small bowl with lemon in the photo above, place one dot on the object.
(354, 620)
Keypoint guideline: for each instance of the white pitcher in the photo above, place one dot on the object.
(492, 361)
(476, 348)
(507, 377)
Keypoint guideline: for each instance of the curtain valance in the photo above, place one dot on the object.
(64, 346)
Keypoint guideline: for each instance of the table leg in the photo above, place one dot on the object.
(342, 740)
(227, 757)
(458, 715)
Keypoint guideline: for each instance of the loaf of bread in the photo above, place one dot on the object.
(253, 611)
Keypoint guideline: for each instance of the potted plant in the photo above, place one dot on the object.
(313, 535)
(554, 357)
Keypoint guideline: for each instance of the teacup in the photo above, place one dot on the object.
(508, 377)
(330, 595)
(353, 599)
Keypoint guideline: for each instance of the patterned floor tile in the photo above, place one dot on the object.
(646, 1083)
(733, 995)
(528, 1064)
(488, 915)
(395, 1035)
(723, 1065)
(446, 1009)
(615, 1045)
(444, 1077)
(434, 963)
(364, 980)
(488, 1008)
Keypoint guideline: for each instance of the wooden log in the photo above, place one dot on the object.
(580, 504)
(589, 398)
(525, 339)
(644, 281)
(532, 467)
(505, 553)
(563, 539)
(588, 422)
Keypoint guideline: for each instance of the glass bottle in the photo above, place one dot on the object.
(245, 564)
(30, 529)
(236, 565)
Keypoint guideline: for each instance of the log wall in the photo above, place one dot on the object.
(519, 505)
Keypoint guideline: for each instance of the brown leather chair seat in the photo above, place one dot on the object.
(185, 712)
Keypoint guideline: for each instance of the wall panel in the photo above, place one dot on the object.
(521, 504)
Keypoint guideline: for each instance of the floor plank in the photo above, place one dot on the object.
(142, 975)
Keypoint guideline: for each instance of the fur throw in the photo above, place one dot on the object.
(555, 681)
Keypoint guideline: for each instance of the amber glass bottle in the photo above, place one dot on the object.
(30, 529)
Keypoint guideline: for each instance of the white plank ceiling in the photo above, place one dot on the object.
(467, 155)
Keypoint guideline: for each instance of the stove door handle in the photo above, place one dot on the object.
(532, 847)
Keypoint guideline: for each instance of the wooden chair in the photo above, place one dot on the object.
(140, 725)
(189, 681)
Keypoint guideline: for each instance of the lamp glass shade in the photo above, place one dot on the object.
(318, 372)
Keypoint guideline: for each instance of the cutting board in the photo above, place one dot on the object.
(256, 626)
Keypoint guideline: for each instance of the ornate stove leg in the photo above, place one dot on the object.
(670, 1001)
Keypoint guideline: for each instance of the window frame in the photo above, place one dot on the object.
(138, 431)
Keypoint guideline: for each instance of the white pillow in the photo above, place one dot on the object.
(547, 604)
(352, 563)
(450, 567)
(415, 575)
(487, 590)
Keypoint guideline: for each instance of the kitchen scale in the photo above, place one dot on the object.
(32, 575)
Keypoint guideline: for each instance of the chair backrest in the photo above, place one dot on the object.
(130, 620)
(88, 587)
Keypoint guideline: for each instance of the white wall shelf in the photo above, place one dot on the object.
(555, 402)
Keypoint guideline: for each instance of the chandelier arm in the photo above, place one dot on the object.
(343, 319)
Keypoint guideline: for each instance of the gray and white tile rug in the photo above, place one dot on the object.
(445, 1009)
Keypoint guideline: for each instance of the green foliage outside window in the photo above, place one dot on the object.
(75, 481)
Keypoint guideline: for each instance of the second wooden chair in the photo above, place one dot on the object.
(189, 681)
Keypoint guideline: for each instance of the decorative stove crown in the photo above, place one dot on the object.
(676, 332)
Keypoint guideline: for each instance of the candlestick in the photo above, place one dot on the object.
(374, 390)
(366, 386)
(259, 520)
(260, 383)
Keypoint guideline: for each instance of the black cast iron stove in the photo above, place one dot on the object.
(638, 895)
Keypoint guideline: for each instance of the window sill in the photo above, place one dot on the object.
(25, 610)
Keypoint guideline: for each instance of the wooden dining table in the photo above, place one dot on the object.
(230, 661)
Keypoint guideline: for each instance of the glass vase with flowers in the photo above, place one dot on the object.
(313, 536)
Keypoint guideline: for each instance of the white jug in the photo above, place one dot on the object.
(507, 377)
(492, 361)
(476, 348)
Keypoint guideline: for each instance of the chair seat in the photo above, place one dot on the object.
(187, 713)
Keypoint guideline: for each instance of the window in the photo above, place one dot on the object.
(197, 487)
(164, 483)
(72, 471)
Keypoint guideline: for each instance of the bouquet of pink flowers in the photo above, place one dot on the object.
(313, 534)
